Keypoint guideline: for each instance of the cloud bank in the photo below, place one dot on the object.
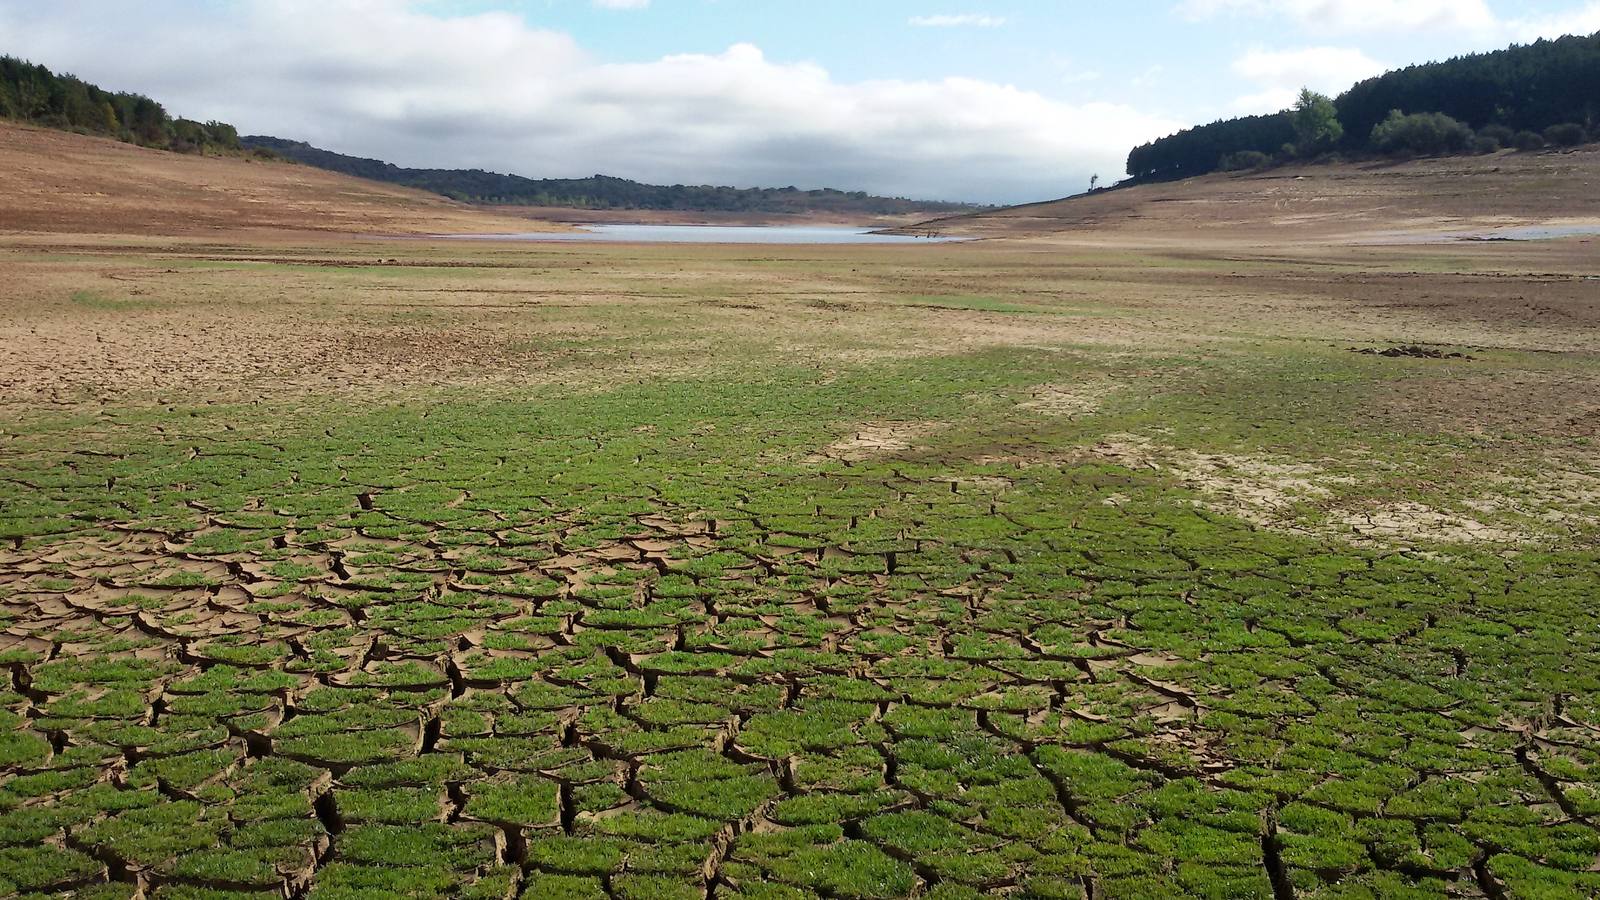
(1282, 73)
(1471, 18)
(387, 78)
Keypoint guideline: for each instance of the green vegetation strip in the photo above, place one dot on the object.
(878, 635)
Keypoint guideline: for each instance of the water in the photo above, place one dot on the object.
(715, 234)
(1536, 233)
(1523, 233)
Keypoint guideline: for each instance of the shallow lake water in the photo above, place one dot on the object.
(716, 234)
(1514, 233)
(1536, 233)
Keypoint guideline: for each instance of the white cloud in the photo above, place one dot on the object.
(1584, 20)
(1280, 74)
(621, 4)
(1349, 16)
(958, 21)
(1473, 18)
(1149, 77)
(383, 78)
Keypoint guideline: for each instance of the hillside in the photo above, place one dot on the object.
(1524, 96)
(1317, 203)
(57, 181)
(33, 94)
(600, 191)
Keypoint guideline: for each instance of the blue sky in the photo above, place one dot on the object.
(999, 101)
(1163, 55)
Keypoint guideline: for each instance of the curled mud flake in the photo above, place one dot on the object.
(1305, 498)
(1069, 400)
(1407, 522)
(875, 439)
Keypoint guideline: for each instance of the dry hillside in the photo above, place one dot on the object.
(58, 182)
(1351, 202)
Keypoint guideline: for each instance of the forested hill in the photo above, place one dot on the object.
(34, 94)
(599, 191)
(1524, 97)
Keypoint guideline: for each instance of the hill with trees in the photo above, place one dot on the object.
(1526, 97)
(598, 191)
(35, 95)
(32, 93)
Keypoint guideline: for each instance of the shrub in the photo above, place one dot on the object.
(1567, 135)
(1428, 134)
(1528, 140)
(1316, 123)
(1499, 133)
(1244, 160)
(1485, 144)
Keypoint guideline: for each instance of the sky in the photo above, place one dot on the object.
(998, 102)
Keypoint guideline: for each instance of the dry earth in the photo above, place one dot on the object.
(62, 183)
(1298, 204)
(1073, 564)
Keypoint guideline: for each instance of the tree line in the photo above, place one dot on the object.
(34, 94)
(597, 191)
(1524, 97)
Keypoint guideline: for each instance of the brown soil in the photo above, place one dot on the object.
(1373, 201)
(54, 181)
(98, 319)
(1535, 402)
(173, 276)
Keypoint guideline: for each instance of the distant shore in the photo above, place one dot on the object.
(574, 216)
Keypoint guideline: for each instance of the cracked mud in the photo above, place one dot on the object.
(893, 624)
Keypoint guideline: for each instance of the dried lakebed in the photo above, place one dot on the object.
(1160, 614)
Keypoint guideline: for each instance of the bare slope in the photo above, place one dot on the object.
(53, 181)
(1352, 202)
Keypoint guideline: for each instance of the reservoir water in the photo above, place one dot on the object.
(1508, 233)
(715, 234)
